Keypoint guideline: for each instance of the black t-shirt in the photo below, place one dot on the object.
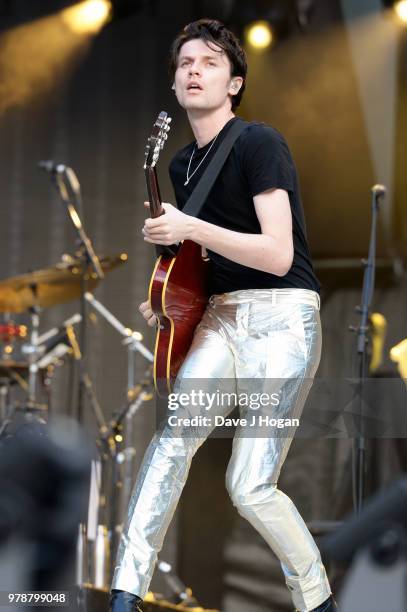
(260, 160)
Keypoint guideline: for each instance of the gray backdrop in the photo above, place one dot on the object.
(95, 113)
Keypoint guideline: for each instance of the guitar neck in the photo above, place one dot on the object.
(156, 209)
(153, 191)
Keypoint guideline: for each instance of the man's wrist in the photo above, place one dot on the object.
(193, 229)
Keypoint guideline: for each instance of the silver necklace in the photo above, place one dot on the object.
(201, 162)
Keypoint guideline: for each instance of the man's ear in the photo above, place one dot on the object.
(235, 85)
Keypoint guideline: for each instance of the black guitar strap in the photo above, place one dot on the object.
(197, 198)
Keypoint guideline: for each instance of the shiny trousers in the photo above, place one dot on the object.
(270, 338)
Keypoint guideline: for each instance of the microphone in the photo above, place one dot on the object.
(379, 190)
(52, 167)
(44, 338)
(56, 343)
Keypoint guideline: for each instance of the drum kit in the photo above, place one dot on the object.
(28, 359)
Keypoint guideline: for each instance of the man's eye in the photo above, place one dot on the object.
(212, 63)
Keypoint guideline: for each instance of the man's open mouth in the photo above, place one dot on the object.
(194, 87)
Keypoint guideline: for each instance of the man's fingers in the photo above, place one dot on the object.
(157, 222)
(152, 321)
(144, 306)
(150, 230)
(148, 314)
(156, 232)
(146, 204)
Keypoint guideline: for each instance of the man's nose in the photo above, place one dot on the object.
(194, 69)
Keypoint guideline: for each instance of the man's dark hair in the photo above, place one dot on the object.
(215, 33)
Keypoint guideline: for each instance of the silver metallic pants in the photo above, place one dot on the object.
(268, 335)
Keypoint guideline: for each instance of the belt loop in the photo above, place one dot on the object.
(273, 298)
(319, 301)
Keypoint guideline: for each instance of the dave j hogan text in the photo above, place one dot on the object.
(255, 420)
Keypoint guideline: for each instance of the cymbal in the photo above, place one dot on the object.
(51, 286)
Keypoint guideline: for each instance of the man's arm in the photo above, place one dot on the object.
(271, 251)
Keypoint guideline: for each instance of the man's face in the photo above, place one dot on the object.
(203, 77)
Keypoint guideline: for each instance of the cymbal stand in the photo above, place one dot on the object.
(5, 406)
(4, 399)
(33, 352)
(131, 338)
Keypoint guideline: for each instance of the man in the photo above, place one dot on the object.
(261, 323)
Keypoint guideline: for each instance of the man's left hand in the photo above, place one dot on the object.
(170, 228)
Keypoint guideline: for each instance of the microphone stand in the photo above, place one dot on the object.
(89, 258)
(62, 178)
(363, 338)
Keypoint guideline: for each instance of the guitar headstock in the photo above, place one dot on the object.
(157, 139)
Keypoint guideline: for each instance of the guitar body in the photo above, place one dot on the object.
(178, 286)
(178, 296)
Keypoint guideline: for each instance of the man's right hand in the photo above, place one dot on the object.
(148, 314)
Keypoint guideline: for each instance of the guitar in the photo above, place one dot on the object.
(178, 286)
